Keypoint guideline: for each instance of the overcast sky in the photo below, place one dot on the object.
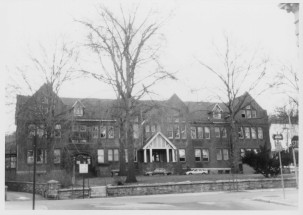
(189, 32)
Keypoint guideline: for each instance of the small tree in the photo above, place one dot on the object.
(262, 163)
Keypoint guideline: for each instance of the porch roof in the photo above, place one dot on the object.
(159, 141)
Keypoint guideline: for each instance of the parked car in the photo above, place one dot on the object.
(158, 171)
(197, 172)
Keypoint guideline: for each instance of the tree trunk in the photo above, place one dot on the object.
(122, 168)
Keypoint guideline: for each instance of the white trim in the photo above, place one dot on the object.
(217, 105)
(165, 138)
(79, 102)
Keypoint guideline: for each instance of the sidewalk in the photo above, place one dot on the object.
(24, 200)
(291, 198)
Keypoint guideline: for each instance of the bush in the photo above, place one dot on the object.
(118, 180)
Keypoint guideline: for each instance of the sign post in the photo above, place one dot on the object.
(83, 168)
(277, 138)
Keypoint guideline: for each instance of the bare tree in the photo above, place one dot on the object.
(125, 44)
(43, 109)
(239, 73)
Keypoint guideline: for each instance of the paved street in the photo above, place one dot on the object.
(245, 200)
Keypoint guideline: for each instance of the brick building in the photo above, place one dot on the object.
(173, 134)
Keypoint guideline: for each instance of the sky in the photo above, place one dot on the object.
(190, 30)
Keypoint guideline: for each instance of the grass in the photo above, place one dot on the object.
(103, 181)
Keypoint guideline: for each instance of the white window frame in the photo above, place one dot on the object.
(260, 133)
(116, 154)
(177, 131)
(57, 156)
(183, 131)
(241, 133)
(193, 133)
(100, 153)
(224, 132)
(225, 153)
(247, 132)
(207, 134)
(253, 133)
(219, 154)
(203, 155)
(103, 132)
(200, 132)
(30, 157)
(170, 132)
(182, 155)
(217, 132)
(110, 155)
(198, 155)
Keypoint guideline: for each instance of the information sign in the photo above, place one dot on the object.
(83, 168)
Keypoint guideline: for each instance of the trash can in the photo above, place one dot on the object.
(52, 189)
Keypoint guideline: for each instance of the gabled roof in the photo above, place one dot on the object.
(217, 106)
(80, 103)
(159, 134)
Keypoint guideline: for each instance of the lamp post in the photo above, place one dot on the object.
(34, 172)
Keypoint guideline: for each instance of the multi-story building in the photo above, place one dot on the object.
(171, 134)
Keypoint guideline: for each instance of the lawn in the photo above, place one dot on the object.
(102, 181)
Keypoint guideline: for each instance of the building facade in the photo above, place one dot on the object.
(173, 134)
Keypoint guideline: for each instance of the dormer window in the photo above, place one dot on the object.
(78, 111)
(78, 108)
(248, 112)
(217, 112)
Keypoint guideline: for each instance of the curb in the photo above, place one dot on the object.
(275, 202)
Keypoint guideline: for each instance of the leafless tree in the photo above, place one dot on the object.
(125, 44)
(239, 73)
(43, 108)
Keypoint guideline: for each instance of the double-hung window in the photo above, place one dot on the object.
(197, 154)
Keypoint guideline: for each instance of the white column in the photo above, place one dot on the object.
(145, 156)
(174, 155)
(167, 155)
(151, 155)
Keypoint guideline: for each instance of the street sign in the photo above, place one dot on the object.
(277, 137)
(83, 168)
(278, 146)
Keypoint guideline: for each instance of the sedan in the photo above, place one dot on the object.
(158, 171)
(197, 172)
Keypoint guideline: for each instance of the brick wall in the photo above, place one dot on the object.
(26, 187)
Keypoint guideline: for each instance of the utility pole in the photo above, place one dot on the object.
(34, 172)
(293, 150)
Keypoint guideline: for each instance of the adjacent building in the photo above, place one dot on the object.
(173, 134)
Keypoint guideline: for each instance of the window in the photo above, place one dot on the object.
(136, 131)
(147, 129)
(197, 154)
(260, 133)
(183, 131)
(224, 133)
(205, 155)
(200, 133)
(102, 132)
(240, 132)
(82, 128)
(116, 155)
(217, 132)
(247, 132)
(31, 130)
(110, 155)
(58, 130)
(57, 156)
(182, 155)
(39, 158)
(170, 134)
(248, 112)
(126, 155)
(78, 111)
(10, 161)
(217, 112)
(253, 133)
(207, 133)
(219, 154)
(193, 133)
(242, 152)
(225, 154)
(153, 129)
(177, 131)
(95, 132)
(100, 155)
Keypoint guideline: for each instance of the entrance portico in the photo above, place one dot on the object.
(159, 149)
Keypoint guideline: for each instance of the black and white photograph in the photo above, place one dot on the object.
(150, 106)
